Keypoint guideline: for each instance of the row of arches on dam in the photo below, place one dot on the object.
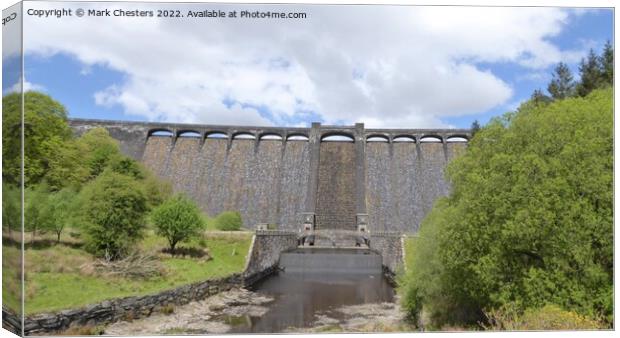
(274, 175)
(300, 136)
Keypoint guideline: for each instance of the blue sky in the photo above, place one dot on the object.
(421, 73)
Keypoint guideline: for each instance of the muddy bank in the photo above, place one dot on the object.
(237, 311)
(370, 317)
(216, 314)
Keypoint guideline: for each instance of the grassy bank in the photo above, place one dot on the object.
(56, 278)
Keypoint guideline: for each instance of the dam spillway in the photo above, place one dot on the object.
(328, 260)
(277, 180)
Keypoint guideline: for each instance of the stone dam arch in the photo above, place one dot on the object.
(390, 178)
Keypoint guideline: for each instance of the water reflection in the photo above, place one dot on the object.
(299, 296)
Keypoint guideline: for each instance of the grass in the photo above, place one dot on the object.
(11, 277)
(54, 280)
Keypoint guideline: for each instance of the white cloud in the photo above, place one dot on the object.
(385, 66)
(28, 86)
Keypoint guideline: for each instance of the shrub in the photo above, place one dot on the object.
(177, 219)
(113, 208)
(549, 317)
(229, 221)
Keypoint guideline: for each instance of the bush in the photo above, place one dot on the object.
(529, 220)
(229, 221)
(177, 219)
(549, 317)
(113, 208)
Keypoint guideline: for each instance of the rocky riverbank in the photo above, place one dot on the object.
(214, 315)
(234, 311)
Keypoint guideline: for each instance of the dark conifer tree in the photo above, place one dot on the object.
(562, 84)
(539, 97)
(607, 61)
(475, 126)
(591, 73)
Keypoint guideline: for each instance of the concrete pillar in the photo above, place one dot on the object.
(314, 140)
(360, 168)
(230, 140)
(444, 140)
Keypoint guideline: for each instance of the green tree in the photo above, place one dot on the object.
(127, 166)
(36, 212)
(229, 221)
(11, 208)
(66, 166)
(475, 127)
(562, 84)
(45, 128)
(607, 60)
(529, 220)
(114, 207)
(98, 149)
(61, 210)
(177, 219)
(538, 97)
(157, 190)
(591, 73)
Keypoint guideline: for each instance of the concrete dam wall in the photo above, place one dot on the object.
(385, 178)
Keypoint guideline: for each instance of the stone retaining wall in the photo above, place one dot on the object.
(390, 246)
(127, 308)
(11, 321)
(266, 248)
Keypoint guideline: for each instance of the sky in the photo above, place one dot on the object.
(385, 66)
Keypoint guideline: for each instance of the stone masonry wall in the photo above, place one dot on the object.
(129, 307)
(389, 245)
(266, 248)
(336, 188)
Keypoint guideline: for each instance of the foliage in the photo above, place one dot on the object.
(562, 84)
(549, 317)
(127, 166)
(475, 127)
(36, 211)
(114, 206)
(60, 210)
(65, 166)
(98, 149)
(11, 207)
(157, 190)
(177, 219)
(45, 130)
(607, 61)
(591, 74)
(538, 97)
(529, 220)
(229, 221)
(595, 72)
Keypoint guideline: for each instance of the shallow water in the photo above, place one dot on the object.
(299, 297)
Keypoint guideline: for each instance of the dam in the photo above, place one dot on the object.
(384, 180)
(329, 206)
